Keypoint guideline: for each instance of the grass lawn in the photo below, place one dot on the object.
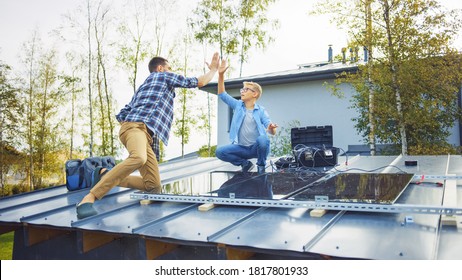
(6, 246)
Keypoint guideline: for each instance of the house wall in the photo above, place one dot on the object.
(308, 102)
(312, 104)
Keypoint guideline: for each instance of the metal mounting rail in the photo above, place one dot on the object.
(438, 177)
(288, 203)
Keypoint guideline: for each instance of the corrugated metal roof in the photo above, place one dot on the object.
(46, 226)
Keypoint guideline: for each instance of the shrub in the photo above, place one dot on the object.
(204, 151)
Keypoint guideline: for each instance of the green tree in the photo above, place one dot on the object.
(281, 143)
(42, 122)
(162, 12)
(72, 85)
(11, 108)
(31, 51)
(104, 94)
(204, 124)
(133, 47)
(252, 30)
(89, 32)
(185, 121)
(89, 68)
(237, 26)
(214, 22)
(415, 73)
(48, 128)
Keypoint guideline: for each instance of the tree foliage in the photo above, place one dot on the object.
(253, 32)
(46, 103)
(236, 26)
(42, 121)
(134, 46)
(415, 74)
(72, 87)
(184, 120)
(11, 107)
(104, 99)
(281, 143)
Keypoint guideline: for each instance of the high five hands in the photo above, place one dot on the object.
(223, 67)
(214, 63)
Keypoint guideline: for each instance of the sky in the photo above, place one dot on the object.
(300, 39)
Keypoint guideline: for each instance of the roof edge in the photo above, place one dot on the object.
(280, 78)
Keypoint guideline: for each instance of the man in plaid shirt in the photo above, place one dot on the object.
(146, 119)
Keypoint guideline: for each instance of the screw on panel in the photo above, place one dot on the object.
(408, 220)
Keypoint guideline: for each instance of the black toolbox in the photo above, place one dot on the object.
(312, 146)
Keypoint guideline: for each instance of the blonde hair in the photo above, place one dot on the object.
(255, 87)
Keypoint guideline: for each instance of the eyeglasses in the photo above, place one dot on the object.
(247, 89)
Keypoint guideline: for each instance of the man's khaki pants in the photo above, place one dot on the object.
(141, 157)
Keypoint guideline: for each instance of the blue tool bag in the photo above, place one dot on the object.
(79, 172)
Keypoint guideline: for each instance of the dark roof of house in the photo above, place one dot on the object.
(46, 226)
(305, 72)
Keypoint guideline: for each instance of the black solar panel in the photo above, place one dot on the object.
(344, 187)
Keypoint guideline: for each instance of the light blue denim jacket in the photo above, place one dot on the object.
(259, 114)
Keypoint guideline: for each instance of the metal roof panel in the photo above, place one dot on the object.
(344, 234)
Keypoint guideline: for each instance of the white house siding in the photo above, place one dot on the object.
(308, 102)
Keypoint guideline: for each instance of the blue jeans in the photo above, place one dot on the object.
(237, 154)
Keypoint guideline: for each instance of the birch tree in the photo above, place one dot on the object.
(236, 26)
(411, 39)
(134, 47)
(252, 30)
(11, 108)
(184, 120)
(48, 129)
(31, 52)
(72, 85)
(104, 95)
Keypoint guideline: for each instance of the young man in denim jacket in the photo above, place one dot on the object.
(249, 126)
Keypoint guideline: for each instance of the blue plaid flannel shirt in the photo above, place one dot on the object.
(152, 104)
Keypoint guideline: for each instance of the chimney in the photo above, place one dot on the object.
(330, 55)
